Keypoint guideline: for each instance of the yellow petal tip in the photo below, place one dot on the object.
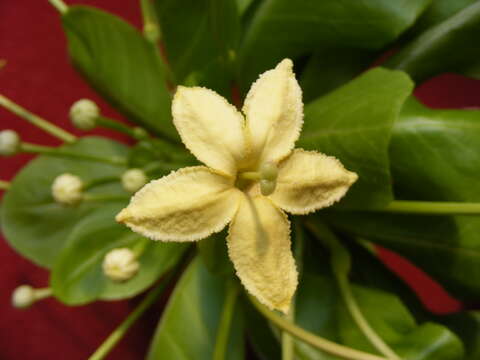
(123, 216)
(286, 64)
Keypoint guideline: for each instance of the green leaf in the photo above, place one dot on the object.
(354, 124)
(122, 65)
(188, 328)
(449, 46)
(33, 223)
(214, 253)
(201, 39)
(438, 11)
(467, 326)
(283, 28)
(329, 68)
(77, 277)
(434, 156)
(320, 310)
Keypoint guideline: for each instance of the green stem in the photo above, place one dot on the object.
(36, 120)
(121, 330)
(51, 151)
(151, 29)
(4, 185)
(118, 126)
(139, 248)
(432, 208)
(220, 351)
(341, 264)
(288, 346)
(361, 322)
(105, 197)
(316, 341)
(59, 5)
(250, 175)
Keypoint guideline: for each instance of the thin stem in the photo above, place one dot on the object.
(118, 126)
(316, 341)
(37, 120)
(288, 346)
(139, 248)
(42, 293)
(341, 264)
(220, 351)
(105, 197)
(250, 175)
(151, 29)
(52, 151)
(59, 5)
(361, 322)
(432, 208)
(4, 185)
(121, 330)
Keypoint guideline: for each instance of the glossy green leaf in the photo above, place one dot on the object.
(122, 65)
(189, 324)
(329, 68)
(283, 28)
(77, 277)
(201, 39)
(354, 124)
(435, 155)
(320, 310)
(32, 222)
(449, 46)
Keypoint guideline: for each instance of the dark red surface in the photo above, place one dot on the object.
(39, 77)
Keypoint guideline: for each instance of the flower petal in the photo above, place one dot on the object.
(211, 128)
(274, 112)
(259, 247)
(189, 204)
(309, 180)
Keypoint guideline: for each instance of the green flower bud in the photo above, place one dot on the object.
(84, 114)
(269, 171)
(267, 187)
(9, 142)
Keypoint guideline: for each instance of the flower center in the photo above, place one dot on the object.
(266, 175)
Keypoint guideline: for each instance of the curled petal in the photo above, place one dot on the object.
(309, 180)
(259, 247)
(211, 128)
(189, 204)
(274, 112)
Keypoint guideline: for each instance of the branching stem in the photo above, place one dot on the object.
(36, 120)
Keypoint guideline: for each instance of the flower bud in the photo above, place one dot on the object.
(269, 171)
(23, 297)
(67, 189)
(120, 264)
(9, 142)
(267, 187)
(133, 179)
(84, 114)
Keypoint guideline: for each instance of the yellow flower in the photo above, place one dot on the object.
(252, 174)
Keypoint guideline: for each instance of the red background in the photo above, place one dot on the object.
(39, 77)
